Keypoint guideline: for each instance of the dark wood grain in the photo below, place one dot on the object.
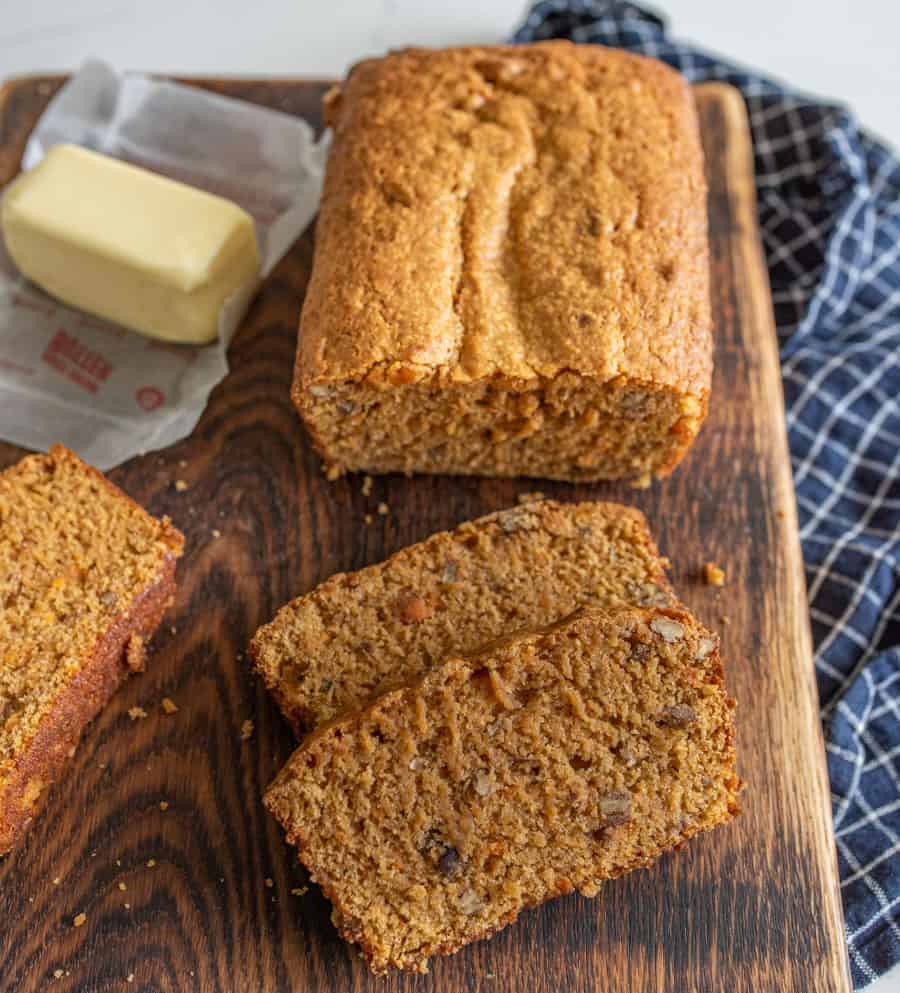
(751, 908)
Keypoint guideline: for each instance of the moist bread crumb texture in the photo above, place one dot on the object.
(511, 273)
(519, 569)
(545, 764)
(85, 576)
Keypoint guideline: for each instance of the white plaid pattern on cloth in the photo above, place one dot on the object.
(829, 212)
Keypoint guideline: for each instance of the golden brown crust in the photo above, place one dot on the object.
(423, 136)
(57, 735)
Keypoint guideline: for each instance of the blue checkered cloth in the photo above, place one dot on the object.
(829, 212)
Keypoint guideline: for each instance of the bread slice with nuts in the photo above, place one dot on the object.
(359, 633)
(85, 576)
(542, 765)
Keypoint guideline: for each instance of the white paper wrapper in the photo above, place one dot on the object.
(105, 392)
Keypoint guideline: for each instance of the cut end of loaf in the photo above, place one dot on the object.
(570, 428)
(545, 764)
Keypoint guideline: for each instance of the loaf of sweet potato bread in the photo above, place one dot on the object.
(542, 765)
(85, 576)
(511, 273)
(358, 633)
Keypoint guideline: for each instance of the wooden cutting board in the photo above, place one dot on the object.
(750, 908)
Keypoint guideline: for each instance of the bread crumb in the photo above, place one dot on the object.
(368, 518)
(367, 485)
(713, 574)
(300, 891)
(56, 880)
(134, 653)
(78, 920)
(122, 887)
(182, 463)
(642, 482)
(169, 706)
(383, 509)
(136, 713)
(269, 882)
(127, 906)
(333, 472)
(118, 861)
(247, 730)
(180, 485)
(163, 805)
(57, 973)
(151, 863)
(129, 978)
(530, 497)
(216, 533)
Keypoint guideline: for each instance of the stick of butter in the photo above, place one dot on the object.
(125, 244)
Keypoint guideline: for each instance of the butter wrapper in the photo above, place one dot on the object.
(103, 391)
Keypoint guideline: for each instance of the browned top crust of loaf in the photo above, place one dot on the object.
(85, 575)
(547, 763)
(510, 212)
(358, 633)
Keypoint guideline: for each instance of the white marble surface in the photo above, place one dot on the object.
(841, 49)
